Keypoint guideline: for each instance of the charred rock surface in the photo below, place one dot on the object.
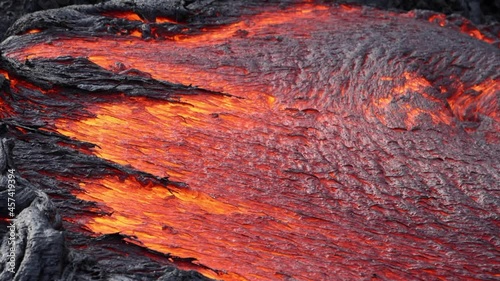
(38, 243)
(240, 140)
(479, 11)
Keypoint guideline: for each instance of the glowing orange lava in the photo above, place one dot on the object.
(471, 30)
(164, 20)
(439, 18)
(252, 209)
(413, 85)
(5, 74)
(194, 141)
(124, 15)
(483, 102)
(33, 31)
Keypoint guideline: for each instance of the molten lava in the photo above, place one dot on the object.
(311, 151)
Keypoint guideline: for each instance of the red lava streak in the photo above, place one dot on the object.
(296, 162)
(123, 15)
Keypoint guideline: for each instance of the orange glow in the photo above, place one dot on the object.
(136, 33)
(5, 108)
(180, 218)
(468, 28)
(194, 112)
(259, 25)
(32, 31)
(16, 84)
(251, 210)
(198, 141)
(135, 17)
(264, 21)
(439, 18)
(350, 8)
(123, 15)
(485, 102)
(5, 74)
(466, 107)
(413, 85)
(164, 20)
(172, 214)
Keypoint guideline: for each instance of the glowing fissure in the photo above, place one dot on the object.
(466, 27)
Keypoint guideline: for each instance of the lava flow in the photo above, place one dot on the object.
(344, 149)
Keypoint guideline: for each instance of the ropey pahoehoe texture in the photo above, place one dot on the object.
(245, 140)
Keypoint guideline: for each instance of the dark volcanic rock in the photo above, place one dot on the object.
(479, 11)
(38, 245)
